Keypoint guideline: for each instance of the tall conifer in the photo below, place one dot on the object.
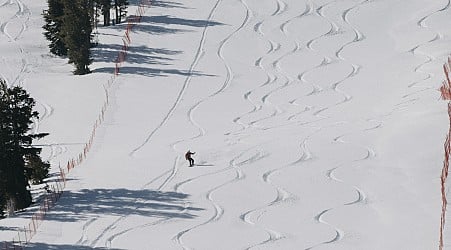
(105, 7)
(121, 10)
(77, 34)
(53, 21)
(16, 117)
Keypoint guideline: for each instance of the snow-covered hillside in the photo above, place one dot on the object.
(317, 124)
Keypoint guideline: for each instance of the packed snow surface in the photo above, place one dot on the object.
(317, 124)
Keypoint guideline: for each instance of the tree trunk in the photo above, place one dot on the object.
(116, 8)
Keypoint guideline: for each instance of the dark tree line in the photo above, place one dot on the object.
(69, 24)
(20, 162)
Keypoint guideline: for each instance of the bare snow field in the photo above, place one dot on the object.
(316, 125)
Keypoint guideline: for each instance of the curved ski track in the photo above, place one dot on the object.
(232, 165)
(190, 115)
(108, 242)
(22, 16)
(421, 23)
(283, 196)
(406, 100)
(199, 53)
(22, 11)
(271, 78)
(358, 36)
(218, 210)
(361, 196)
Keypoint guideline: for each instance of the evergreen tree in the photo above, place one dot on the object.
(52, 27)
(121, 10)
(16, 117)
(2, 203)
(105, 7)
(77, 34)
(36, 170)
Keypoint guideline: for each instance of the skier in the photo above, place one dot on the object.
(188, 157)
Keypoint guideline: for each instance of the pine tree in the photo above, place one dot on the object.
(52, 27)
(77, 34)
(2, 203)
(36, 170)
(105, 7)
(121, 9)
(16, 117)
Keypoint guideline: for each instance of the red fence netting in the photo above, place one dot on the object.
(24, 235)
(445, 91)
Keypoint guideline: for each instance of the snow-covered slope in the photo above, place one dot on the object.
(316, 125)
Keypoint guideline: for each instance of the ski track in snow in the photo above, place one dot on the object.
(56, 149)
(358, 36)
(316, 89)
(199, 53)
(415, 88)
(22, 16)
(232, 166)
(235, 166)
(84, 236)
(271, 78)
(105, 234)
(190, 115)
(421, 23)
(334, 29)
(274, 75)
(361, 196)
(109, 239)
(283, 196)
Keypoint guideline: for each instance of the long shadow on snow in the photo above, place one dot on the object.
(145, 27)
(154, 29)
(157, 24)
(150, 71)
(136, 54)
(161, 4)
(166, 19)
(5, 228)
(87, 203)
(45, 246)
(168, 4)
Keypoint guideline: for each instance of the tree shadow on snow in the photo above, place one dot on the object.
(154, 29)
(87, 203)
(159, 24)
(136, 54)
(158, 3)
(168, 20)
(6, 228)
(45, 246)
(150, 72)
(168, 4)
